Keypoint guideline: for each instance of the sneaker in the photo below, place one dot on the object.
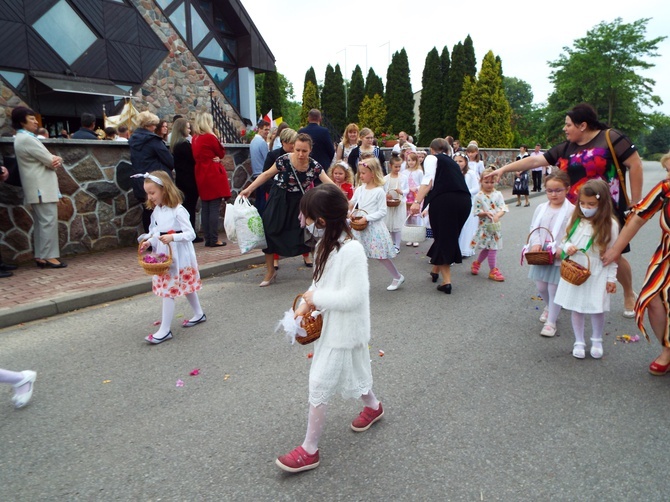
(395, 284)
(474, 269)
(298, 460)
(544, 315)
(495, 275)
(397, 249)
(366, 418)
(548, 330)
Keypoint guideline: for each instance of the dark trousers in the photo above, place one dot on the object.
(537, 181)
(209, 220)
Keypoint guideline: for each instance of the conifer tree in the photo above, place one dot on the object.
(469, 57)
(271, 95)
(453, 90)
(484, 114)
(445, 67)
(372, 113)
(430, 108)
(310, 99)
(332, 98)
(356, 94)
(373, 84)
(399, 98)
(310, 76)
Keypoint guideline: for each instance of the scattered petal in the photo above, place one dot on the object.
(226, 377)
(180, 383)
(310, 355)
(195, 372)
(179, 316)
(381, 353)
(157, 323)
(106, 381)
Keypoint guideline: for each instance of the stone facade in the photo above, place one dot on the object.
(98, 210)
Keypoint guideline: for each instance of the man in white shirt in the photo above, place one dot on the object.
(537, 172)
(402, 139)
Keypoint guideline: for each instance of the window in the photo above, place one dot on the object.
(178, 18)
(198, 28)
(214, 51)
(13, 78)
(232, 93)
(65, 31)
(163, 3)
(218, 74)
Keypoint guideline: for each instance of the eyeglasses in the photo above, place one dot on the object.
(554, 191)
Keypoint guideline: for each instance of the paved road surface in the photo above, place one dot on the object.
(478, 405)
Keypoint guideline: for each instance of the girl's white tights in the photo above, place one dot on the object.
(10, 377)
(390, 266)
(395, 236)
(370, 400)
(166, 318)
(194, 302)
(548, 292)
(597, 324)
(316, 421)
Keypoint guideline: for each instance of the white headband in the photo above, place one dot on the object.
(343, 165)
(148, 176)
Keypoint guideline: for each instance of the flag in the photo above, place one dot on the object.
(278, 121)
(268, 117)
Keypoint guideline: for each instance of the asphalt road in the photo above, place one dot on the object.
(478, 405)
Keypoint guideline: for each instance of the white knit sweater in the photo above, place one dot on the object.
(343, 292)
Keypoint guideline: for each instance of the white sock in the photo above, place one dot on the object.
(390, 266)
(578, 326)
(597, 324)
(166, 318)
(316, 421)
(370, 400)
(396, 238)
(10, 377)
(194, 302)
(554, 310)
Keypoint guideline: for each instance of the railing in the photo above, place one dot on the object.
(227, 131)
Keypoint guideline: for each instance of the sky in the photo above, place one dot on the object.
(525, 34)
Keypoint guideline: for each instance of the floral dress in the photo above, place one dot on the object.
(183, 278)
(487, 237)
(375, 238)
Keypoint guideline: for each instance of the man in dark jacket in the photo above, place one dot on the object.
(86, 131)
(323, 149)
(147, 153)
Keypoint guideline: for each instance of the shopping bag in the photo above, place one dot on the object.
(229, 223)
(248, 226)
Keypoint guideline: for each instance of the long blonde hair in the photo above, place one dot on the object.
(204, 123)
(375, 167)
(172, 196)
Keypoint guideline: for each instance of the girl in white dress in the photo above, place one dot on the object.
(171, 226)
(549, 220)
(394, 187)
(341, 291)
(470, 227)
(412, 175)
(591, 230)
(371, 198)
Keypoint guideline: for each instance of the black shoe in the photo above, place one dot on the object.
(5, 267)
(215, 244)
(434, 276)
(197, 240)
(308, 265)
(48, 264)
(445, 288)
(5, 273)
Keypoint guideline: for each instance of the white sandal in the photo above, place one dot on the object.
(20, 400)
(578, 350)
(597, 352)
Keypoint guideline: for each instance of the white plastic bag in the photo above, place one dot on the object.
(248, 226)
(229, 223)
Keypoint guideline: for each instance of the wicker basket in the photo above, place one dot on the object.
(311, 325)
(412, 233)
(574, 273)
(356, 215)
(393, 202)
(539, 257)
(154, 268)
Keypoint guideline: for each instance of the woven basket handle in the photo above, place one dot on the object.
(356, 211)
(139, 252)
(588, 260)
(535, 230)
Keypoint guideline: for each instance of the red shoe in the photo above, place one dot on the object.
(298, 460)
(474, 269)
(495, 275)
(366, 418)
(659, 369)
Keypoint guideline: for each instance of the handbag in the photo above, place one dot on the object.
(413, 233)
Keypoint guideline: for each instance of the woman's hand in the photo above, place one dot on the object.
(415, 208)
(167, 238)
(218, 160)
(56, 162)
(611, 287)
(144, 246)
(610, 256)
(245, 193)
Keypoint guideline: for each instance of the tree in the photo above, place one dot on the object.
(445, 67)
(520, 97)
(373, 84)
(604, 69)
(356, 94)
(310, 76)
(310, 99)
(399, 98)
(453, 90)
(430, 108)
(372, 113)
(470, 61)
(484, 113)
(271, 99)
(332, 98)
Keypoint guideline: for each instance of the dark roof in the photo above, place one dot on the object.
(252, 52)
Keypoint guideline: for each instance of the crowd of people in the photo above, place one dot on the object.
(339, 205)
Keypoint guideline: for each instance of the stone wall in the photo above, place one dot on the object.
(98, 210)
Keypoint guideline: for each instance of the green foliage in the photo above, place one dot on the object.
(445, 68)
(520, 97)
(399, 98)
(373, 84)
(372, 113)
(310, 76)
(271, 99)
(453, 90)
(310, 99)
(604, 69)
(658, 140)
(430, 108)
(470, 61)
(484, 114)
(356, 94)
(333, 105)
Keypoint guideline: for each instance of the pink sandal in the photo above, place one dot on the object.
(495, 275)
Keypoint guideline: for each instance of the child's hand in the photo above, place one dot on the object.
(495, 217)
(611, 287)
(167, 238)
(362, 219)
(144, 245)
(570, 250)
(536, 248)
